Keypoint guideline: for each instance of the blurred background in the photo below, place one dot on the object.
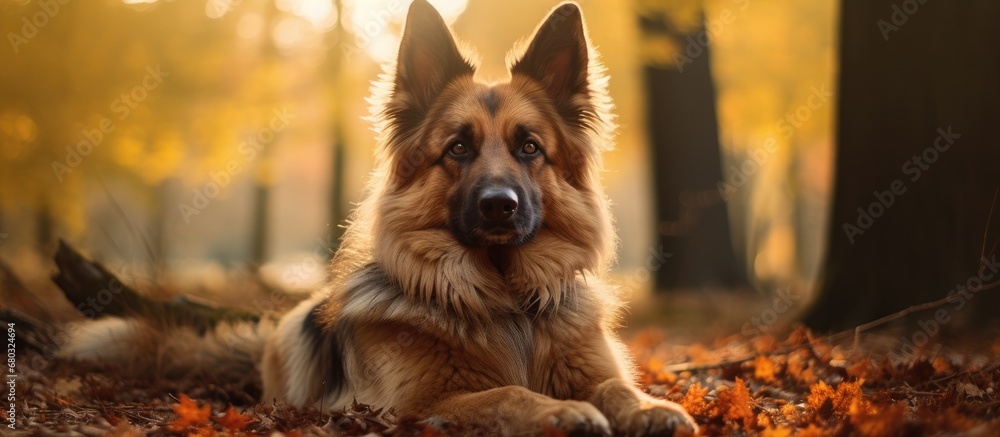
(183, 141)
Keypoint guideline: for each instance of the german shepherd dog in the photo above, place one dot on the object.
(468, 287)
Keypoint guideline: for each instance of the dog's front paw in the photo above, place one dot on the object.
(656, 418)
(573, 418)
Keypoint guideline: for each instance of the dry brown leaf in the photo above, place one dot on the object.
(970, 390)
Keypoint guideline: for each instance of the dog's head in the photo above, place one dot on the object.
(492, 162)
(488, 186)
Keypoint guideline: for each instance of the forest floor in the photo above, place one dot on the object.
(911, 380)
(798, 386)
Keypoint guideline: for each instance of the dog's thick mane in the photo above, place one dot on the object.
(432, 267)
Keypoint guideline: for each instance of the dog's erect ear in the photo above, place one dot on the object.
(428, 56)
(558, 57)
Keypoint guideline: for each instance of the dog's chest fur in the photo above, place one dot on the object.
(541, 352)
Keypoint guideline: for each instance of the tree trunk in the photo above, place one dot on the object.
(911, 72)
(338, 208)
(692, 220)
(261, 225)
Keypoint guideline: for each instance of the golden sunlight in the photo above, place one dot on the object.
(320, 13)
(376, 24)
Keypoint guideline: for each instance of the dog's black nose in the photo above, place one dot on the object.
(497, 204)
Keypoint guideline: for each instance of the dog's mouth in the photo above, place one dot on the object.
(500, 236)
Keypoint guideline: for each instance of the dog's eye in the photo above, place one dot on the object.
(529, 148)
(458, 149)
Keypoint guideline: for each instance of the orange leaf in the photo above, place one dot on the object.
(765, 343)
(781, 431)
(847, 399)
(799, 367)
(694, 400)
(851, 400)
(190, 414)
(820, 395)
(859, 369)
(942, 366)
(763, 369)
(204, 431)
(764, 421)
(790, 413)
(734, 404)
(885, 421)
(811, 431)
(233, 421)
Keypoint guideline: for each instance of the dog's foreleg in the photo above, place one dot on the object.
(635, 413)
(609, 387)
(515, 410)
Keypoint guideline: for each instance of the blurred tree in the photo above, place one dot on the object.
(338, 208)
(142, 95)
(113, 102)
(916, 164)
(693, 223)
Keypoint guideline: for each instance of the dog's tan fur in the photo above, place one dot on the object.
(514, 337)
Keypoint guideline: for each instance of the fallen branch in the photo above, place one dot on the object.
(913, 309)
(694, 367)
(84, 282)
